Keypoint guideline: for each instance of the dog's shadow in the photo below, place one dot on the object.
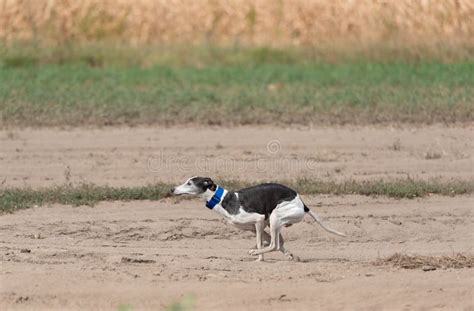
(333, 260)
(297, 259)
(267, 260)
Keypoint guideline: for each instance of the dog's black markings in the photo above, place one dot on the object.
(261, 199)
(204, 183)
(231, 203)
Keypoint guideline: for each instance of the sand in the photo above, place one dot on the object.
(151, 254)
(148, 255)
(139, 156)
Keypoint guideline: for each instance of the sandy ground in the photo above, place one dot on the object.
(150, 254)
(138, 156)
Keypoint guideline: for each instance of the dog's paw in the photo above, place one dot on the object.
(291, 257)
(264, 244)
(252, 252)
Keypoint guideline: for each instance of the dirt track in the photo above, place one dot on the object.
(139, 156)
(149, 254)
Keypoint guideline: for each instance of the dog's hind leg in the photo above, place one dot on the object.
(266, 240)
(285, 252)
(286, 213)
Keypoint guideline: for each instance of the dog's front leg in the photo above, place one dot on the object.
(259, 231)
(274, 238)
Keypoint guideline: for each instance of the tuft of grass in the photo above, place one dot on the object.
(397, 145)
(433, 155)
(124, 307)
(457, 261)
(184, 304)
(12, 199)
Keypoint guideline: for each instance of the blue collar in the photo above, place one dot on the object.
(216, 198)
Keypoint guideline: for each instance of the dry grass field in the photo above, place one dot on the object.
(430, 25)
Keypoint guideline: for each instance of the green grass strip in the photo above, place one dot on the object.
(274, 94)
(12, 199)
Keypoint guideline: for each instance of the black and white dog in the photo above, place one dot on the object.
(254, 209)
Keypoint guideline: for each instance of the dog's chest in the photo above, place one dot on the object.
(241, 219)
(236, 214)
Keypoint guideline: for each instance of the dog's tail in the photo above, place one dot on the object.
(316, 218)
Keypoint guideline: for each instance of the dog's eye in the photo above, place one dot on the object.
(189, 183)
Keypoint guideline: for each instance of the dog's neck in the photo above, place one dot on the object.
(208, 194)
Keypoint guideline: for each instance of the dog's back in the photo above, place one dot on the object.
(263, 198)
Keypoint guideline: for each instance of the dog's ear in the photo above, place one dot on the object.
(209, 184)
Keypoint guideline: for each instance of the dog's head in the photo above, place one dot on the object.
(195, 186)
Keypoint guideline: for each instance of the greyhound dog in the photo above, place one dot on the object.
(254, 209)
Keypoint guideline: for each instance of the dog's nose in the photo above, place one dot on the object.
(171, 190)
